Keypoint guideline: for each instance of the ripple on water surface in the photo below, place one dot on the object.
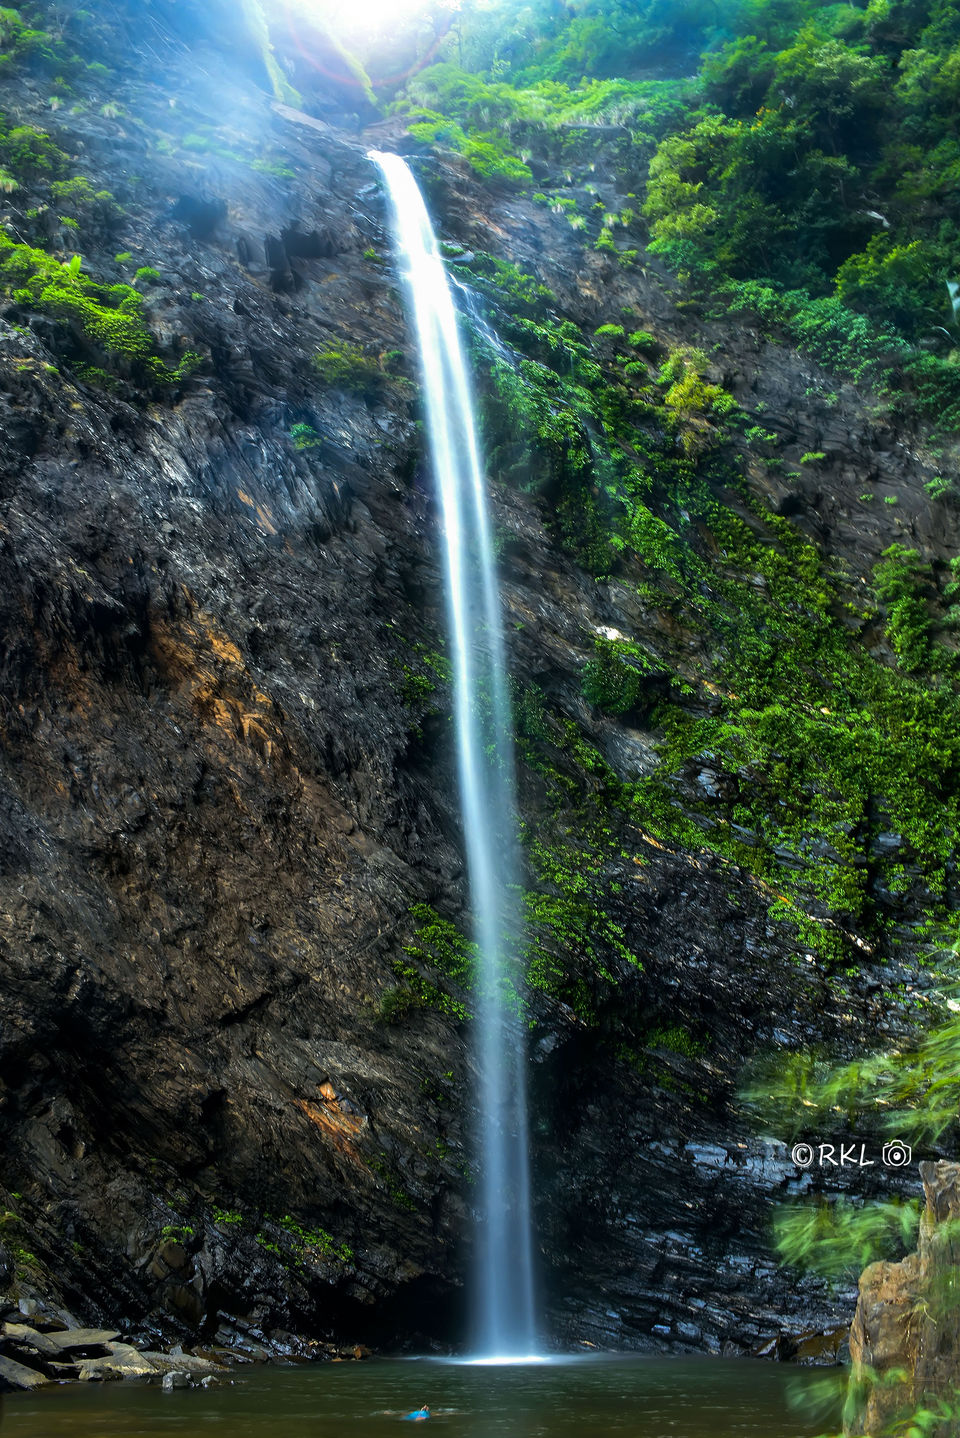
(634, 1397)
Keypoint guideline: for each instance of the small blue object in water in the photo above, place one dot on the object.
(419, 1415)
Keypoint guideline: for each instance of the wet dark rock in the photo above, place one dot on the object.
(15, 1376)
(202, 217)
(176, 1378)
(95, 1370)
(82, 1342)
(39, 1343)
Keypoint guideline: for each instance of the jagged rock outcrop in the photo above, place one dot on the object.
(52, 1348)
(905, 1338)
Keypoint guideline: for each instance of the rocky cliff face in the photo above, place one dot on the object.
(236, 1083)
(905, 1334)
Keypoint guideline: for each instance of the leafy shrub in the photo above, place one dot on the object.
(902, 580)
(25, 47)
(438, 947)
(899, 284)
(347, 366)
(30, 154)
(613, 678)
(79, 192)
(484, 150)
(940, 487)
(107, 316)
(304, 436)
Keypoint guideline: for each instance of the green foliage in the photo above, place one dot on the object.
(276, 168)
(814, 155)
(347, 366)
(613, 679)
(105, 317)
(827, 746)
(483, 149)
(573, 938)
(935, 384)
(226, 1216)
(24, 47)
(79, 196)
(177, 1232)
(425, 677)
(556, 423)
(903, 582)
(438, 949)
(910, 1093)
(97, 376)
(438, 944)
(148, 275)
(691, 398)
(940, 487)
(384, 1170)
(304, 436)
(257, 22)
(396, 1002)
(902, 285)
(311, 1243)
(837, 1240)
(523, 111)
(762, 177)
(643, 340)
(577, 948)
(509, 283)
(756, 434)
(529, 713)
(676, 1039)
(30, 155)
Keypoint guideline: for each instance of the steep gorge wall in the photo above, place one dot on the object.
(232, 1100)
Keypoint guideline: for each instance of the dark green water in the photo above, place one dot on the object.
(629, 1397)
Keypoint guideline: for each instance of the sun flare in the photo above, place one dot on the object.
(370, 18)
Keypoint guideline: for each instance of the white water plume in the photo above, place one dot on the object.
(504, 1324)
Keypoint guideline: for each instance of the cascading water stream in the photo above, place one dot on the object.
(504, 1325)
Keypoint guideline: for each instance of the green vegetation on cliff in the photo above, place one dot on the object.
(840, 768)
(807, 173)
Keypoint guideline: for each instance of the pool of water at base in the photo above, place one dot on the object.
(630, 1397)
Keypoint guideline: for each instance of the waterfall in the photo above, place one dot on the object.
(504, 1325)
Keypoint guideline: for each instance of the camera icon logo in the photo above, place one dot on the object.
(896, 1154)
